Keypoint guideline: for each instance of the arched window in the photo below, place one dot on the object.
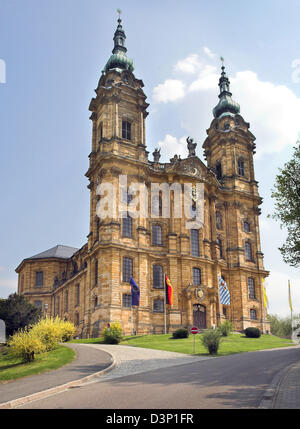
(195, 242)
(196, 276)
(241, 167)
(253, 315)
(246, 226)
(95, 301)
(127, 226)
(220, 244)
(251, 288)
(158, 277)
(127, 269)
(219, 220)
(219, 170)
(248, 251)
(156, 235)
(126, 130)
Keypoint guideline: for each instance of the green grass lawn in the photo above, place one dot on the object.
(234, 343)
(12, 368)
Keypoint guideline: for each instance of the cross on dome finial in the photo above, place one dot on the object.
(119, 12)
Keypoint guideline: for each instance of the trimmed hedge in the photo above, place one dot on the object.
(181, 333)
(252, 332)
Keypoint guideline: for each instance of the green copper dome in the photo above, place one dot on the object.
(119, 59)
(226, 104)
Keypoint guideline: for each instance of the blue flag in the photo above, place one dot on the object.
(135, 293)
(224, 292)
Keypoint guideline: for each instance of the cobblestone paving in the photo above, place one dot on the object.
(288, 394)
(135, 360)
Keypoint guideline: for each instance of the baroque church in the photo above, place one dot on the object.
(90, 286)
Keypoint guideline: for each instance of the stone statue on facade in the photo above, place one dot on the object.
(191, 146)
(156, 155)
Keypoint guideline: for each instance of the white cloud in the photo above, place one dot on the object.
(7, 286)
(273, 110)
(189, 65)
(170, 90)
(207, 79)
(171, 146)
(208, 52)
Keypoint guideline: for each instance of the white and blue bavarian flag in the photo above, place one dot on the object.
(224, 292)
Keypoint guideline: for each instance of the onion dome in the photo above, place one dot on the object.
(226, 104)
(119, 59)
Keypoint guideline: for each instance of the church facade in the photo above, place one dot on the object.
(90, 286)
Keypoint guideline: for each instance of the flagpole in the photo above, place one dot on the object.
(165, 304)
(290, 302)
(131, 320)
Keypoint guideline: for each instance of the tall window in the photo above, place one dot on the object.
(76, 319)
(253, 315)
(195, 242)
(251, 288)
(196, 276)
(158, 306)
(100, 131)
(98, 230)
(57, 305)
(126, 300)
(219, 220)
(96, 271)
(66, 301)
(219, 170)
(39, 279)
(220, 244)
(156, 234)
(246, 226)
(156, 205)
(241, 167)
(126, 130)
(38, 304)
(158, 277)
(127, 269)
(77, 295)
(95, 301)
(127, 226)
(248, 251)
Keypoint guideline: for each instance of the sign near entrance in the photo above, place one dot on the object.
(194, 330)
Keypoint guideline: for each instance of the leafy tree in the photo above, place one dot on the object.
(17, 313)
(287, 207)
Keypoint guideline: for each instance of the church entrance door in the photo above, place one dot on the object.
(199, 316)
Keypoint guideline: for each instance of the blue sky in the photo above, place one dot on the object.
(54, 52)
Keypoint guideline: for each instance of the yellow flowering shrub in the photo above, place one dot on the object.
(113, 334)
(26, 344)
(53, 330)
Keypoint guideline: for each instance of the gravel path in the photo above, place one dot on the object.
(136, 360)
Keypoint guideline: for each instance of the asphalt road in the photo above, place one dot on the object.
(236, 381)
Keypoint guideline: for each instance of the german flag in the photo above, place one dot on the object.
(169, 292)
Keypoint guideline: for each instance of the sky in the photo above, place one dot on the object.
(51, 56)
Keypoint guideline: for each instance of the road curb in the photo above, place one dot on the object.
(44, 393)
(270, 393)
